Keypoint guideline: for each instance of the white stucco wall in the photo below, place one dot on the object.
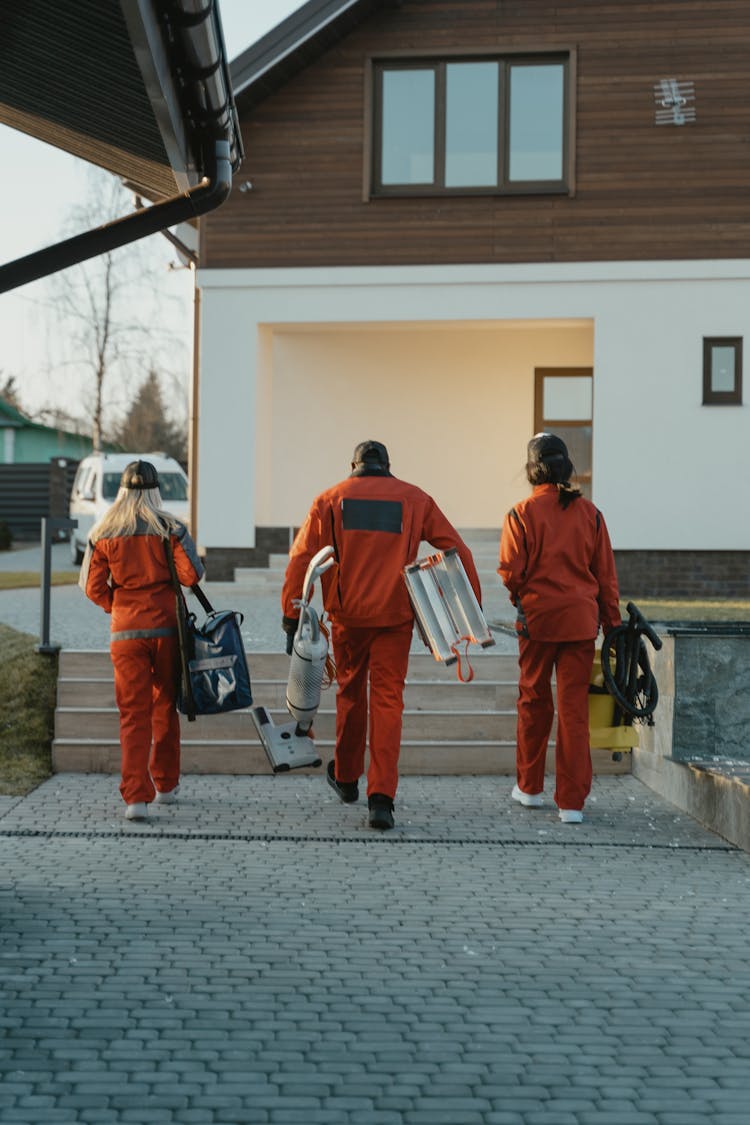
(226, 421)
(279, 405)
(454, 403)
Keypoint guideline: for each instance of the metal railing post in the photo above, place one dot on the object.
(49, 525)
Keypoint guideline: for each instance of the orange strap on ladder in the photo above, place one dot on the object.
(465, 656)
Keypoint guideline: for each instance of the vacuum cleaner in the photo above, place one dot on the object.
(289, 745)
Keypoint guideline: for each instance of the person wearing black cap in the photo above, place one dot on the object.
(557, 563)
(375, 524)
(125, 571)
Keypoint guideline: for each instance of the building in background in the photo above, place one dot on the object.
(457, 225)
(23, 441)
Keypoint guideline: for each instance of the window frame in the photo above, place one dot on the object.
(550, 424)
(722, 398)
(373, 187)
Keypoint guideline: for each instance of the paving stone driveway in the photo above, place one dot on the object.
(256, 955)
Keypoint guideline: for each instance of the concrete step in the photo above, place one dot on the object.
(487, 665)
(428, 726)
(448, 758)
(272, 577)
(419, 695)
(448, 727)
(483, 544)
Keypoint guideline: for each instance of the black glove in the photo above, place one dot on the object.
(289, 625)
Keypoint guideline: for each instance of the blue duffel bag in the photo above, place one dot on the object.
(218, 678)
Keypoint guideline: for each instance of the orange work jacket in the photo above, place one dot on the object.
(559, 569)
(128, 576)
(375, 523)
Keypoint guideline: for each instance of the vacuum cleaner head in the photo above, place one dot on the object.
(284, 747)
(289, 746)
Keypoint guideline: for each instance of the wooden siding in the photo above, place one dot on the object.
(642, 191)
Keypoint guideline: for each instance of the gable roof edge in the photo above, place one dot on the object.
(284, 39)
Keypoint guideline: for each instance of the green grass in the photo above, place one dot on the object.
(690, 609)
(668, 611)
(28, 684)
(23, 579)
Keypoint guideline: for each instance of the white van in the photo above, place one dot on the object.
(98, 479)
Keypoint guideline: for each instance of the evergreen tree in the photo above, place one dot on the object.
(10, 394)
(146, 428)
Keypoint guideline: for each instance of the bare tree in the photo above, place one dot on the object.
(111, 316)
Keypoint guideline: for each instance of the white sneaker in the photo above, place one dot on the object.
(529, 800)
(138, 811)
(570, 816)
(167, 798)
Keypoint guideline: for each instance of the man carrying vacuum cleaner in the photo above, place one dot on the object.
(375, 523)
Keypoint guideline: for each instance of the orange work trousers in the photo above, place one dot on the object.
(572, 662)
(145, 692)
(380, 656)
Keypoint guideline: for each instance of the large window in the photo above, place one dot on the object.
(471, 125)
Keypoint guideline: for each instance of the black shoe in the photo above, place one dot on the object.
(381, 811)
(347, 791)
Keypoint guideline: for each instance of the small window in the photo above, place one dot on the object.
(722, 370)
(479, 125)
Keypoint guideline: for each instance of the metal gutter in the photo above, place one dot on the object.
(208, 194)
(182, 57)
(198, 48)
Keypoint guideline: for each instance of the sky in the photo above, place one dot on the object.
(35, 205)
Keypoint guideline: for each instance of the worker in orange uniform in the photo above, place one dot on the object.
(375, 524)
(556, 561)
(125, 571)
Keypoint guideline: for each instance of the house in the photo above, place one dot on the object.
(23, 441)
(459, 224)
(37, 466)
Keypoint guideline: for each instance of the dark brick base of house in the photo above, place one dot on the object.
(221, 561)
(684, 574)
(654, 574)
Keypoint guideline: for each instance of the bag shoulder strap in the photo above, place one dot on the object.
(176, 582)
(183, 637)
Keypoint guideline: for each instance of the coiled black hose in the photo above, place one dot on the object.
(626, 668)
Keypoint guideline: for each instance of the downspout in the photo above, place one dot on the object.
(212, 190)
(194, 414)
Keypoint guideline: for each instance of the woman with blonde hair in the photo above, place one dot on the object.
(126, 571)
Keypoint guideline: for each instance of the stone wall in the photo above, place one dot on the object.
(712, 695)
(697, 754)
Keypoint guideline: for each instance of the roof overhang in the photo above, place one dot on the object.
(135, 86)
(138, 87)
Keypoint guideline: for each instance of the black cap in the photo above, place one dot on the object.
(139, 474)
(373, 454)
(546, 447)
